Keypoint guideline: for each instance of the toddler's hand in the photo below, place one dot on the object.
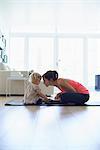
(46, 99)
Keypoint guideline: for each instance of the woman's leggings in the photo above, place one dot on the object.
(76, 98)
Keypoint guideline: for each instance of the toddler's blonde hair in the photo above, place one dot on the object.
(35, 76)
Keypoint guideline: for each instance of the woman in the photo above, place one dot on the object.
(71, 91)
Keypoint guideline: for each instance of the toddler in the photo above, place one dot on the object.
(33, 94)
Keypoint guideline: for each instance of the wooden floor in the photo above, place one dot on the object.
(49, 128)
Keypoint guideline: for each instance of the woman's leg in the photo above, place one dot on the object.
(76, 98)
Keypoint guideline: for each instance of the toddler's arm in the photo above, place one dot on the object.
(45, 98)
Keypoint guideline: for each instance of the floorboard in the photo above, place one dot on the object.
(48, 127)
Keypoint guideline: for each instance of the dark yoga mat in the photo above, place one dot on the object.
(51, 103)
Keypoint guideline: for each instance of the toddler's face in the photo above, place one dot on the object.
(36, 81)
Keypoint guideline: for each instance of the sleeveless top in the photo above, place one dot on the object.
(77, 86)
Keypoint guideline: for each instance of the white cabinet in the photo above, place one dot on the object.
(11, 83)
(17, 86)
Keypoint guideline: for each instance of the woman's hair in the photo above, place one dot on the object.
(51, 75)
(34, 76)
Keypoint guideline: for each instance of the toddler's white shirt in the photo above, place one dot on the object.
(30, 95)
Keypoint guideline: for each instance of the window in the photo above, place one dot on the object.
(46, 31)
(41, 54)
(32, 18)
(16, 58)
(71, 58)
(93, 59)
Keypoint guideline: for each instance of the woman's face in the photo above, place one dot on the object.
(46, 82)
